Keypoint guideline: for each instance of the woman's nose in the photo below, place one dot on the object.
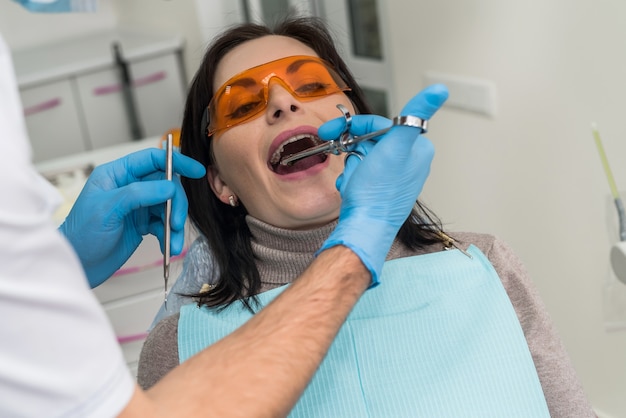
(280, 102)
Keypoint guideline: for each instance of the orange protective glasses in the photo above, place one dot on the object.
(246, 95)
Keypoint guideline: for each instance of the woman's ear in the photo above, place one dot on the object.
(221, 189)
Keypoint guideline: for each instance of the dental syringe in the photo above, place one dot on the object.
(346, 140)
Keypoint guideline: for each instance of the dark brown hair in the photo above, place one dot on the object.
(224, 226)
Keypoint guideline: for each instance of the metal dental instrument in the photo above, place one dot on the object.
(346, 139)
(168, 216)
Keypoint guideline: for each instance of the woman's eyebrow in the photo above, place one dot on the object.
(243, 82)
(295, 66)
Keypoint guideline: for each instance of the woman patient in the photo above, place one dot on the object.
(456, 327)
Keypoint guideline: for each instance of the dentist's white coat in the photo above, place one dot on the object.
(58, 353)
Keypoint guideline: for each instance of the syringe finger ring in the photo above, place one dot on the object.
(412, 121)
(357, 154)
(346, 139)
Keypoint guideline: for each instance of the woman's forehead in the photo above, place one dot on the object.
(256, 52)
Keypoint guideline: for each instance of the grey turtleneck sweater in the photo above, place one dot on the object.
(282, 255)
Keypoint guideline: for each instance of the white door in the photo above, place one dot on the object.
(359, 27)
(215, 15)
(269, 11)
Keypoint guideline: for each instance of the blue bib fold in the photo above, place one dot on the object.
(438, 338)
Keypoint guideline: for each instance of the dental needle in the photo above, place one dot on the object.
(168, 216)
(346, 140)
(331, 146)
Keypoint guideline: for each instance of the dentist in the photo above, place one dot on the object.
(58, 354)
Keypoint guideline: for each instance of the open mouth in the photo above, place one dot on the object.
(296, 144)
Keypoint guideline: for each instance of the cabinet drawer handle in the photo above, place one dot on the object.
(104, 90)
(125, 339)
(136, 269)
(138, 82)
(149, 79)
(41, 107)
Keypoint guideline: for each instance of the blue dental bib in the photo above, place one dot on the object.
(438, 338)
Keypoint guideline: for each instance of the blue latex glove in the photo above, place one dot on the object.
(121, 202)
(379, 192)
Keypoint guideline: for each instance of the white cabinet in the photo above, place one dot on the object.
(73, 95)
(158, 96)
(132, 297)
(159, 92)
(103, 111)
(53, 121)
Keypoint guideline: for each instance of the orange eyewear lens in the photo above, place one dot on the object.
(246, 95)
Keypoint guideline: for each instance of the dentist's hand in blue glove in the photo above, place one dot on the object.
(379, 192)
(121, 202)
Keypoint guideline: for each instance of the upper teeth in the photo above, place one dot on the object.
(276, 155)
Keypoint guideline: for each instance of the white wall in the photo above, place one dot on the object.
(23, 29)
(532, 174)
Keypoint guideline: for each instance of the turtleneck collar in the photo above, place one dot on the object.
(283, 254)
